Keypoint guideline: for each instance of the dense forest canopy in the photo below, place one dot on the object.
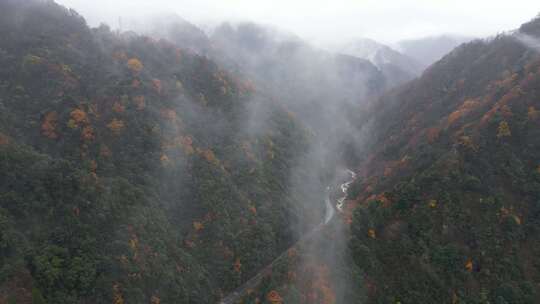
(131, 168)
(170, 164)
(448, 206)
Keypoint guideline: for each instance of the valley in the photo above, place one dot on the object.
(156, 160)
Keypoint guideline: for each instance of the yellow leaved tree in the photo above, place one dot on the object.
(77, 118)
(78, 115)
(117, 294)
(116, 126)
(198, 226)
(209, 156)
(135, 65)
(503, 130)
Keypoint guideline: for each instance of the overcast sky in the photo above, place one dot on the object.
(333, 20)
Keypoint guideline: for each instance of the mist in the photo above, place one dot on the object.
(281, 54)
(215, 151)
(320, 21)
(320, 91)
(529, 41)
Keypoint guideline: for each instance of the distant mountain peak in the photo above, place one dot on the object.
(375, 52)
(254, 34)
(430, 49)
(364, 48)
(397, 67)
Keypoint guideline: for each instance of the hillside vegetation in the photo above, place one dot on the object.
(449, 204)
(132, 170)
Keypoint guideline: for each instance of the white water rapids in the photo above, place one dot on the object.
(329, 213)
(344, 188)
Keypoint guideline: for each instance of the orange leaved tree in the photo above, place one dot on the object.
(135, 65)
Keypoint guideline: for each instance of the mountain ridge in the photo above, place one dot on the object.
(449, 190)
(397, 67)
(430, 49)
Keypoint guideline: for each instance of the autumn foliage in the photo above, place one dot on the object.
(198, 226)
(165, 160)
(466, 107)
(117, 295)
(469, 265)
(49, 124)
(134, 125)
(4, 140)
(135, 65)
(79, 116)
(433, 134)
(87, 134)
(533, 114)
(274, 297)
(237, 265)
(209, 156)
(155, 300)
(116, 126)
(503, 130)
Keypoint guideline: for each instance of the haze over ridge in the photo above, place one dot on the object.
(340, 20)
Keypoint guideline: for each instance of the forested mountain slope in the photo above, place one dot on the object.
(321, 89)
(132, 170)
(448, 206)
